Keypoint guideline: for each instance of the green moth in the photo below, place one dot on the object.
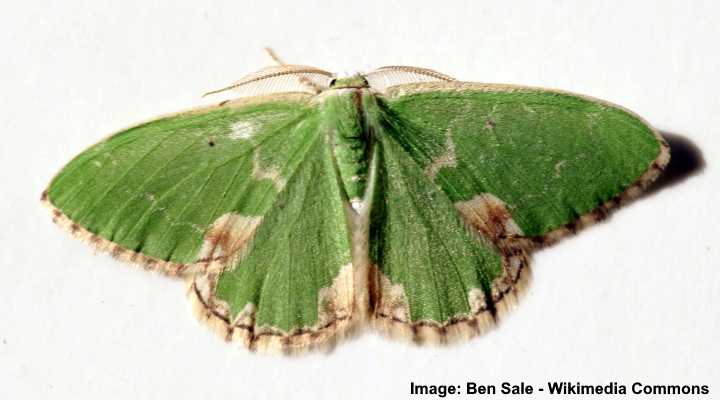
(399, 199)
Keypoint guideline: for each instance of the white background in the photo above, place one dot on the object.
(633, 299)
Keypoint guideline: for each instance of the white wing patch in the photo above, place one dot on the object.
(272, 173)
(356, 203)
(336, 301)
(476, 299)
(558, 167)
(393, 302)
(447, 159)
(489, 215)
(242, 130)
(228, 235)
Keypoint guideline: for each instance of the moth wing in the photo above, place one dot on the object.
(437, 280)
(525, 166)
(293, 288)
(183, 193)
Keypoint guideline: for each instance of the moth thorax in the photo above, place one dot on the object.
(344, 120)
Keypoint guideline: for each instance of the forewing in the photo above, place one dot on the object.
(292, 289)
(533, 162)
(184, 192)
(385, 77)
(437, 280)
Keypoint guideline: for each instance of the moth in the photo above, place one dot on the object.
(315, 205)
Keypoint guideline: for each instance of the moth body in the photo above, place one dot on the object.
(399, 199)
(348, 134)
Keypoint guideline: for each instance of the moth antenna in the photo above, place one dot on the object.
(274, 56)
(385, 77)
(299, 77)
(309, 84)
(216, 91)
(303, 80)
(413, 71)
(281, 69)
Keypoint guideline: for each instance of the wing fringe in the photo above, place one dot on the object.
(143, 261)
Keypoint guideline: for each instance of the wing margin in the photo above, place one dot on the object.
(139, 258)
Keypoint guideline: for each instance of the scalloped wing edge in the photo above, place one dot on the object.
(270, 341)
(508, 289)
(120, 253)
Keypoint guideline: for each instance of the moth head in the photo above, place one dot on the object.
(355, 81)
